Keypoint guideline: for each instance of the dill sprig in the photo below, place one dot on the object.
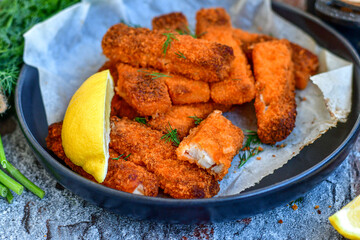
(197, 119)
(248, 150)
(171, 136)
(169, 38)
(140, 120)
(180, 55)
(16, 17)
(154, 75)
(121, 156)
(188, 31)
(297, 201)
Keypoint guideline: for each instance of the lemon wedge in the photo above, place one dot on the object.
(86, 127)
(347, 220)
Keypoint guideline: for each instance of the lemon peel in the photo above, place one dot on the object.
(86, 127)
(347, 220)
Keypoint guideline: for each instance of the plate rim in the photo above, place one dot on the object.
(194, 202)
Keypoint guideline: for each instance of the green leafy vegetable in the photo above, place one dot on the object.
(248, 150)
(171, 136)
(154, 75)
(121, 156)
(197, 119)
(188, 31)
(16, 17)
(169, 38)
(140, 120)
(180, 55)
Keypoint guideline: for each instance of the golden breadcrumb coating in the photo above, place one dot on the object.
(185, 91)
(179, 117)
(146, 94)
(140, 47)
(212, 145)
(122, 175)
(239, 87)
(120, 108)
(306, 63)
(177, 178)
(275, 104)
(171, 21)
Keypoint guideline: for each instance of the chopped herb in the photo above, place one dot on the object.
(140, 120)
(131, 25)
(154, 75)
(180, 55)
(169, 38)
(121, 156)
(187, 31)
(171, 136)
(248, 150)
(298, 201)
(197, 119)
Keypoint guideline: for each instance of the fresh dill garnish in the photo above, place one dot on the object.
(197, 119)
(169, 38)
(180, 55)
(140, 120)
(171, 136)
(297, 201)
(121, 156)
(130, 24)
(187, 31)
(248, 150)
(154, 75)
(16, 17)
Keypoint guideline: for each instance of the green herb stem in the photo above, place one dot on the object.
(11, 183)
(171, 136)
(3, 190)
(140, 120)
(197, 119)
(18, 175)
(9, 196)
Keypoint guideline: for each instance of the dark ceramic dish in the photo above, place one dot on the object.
(301, 174)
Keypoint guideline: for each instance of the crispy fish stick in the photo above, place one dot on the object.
(306, 63)
(182, 90)
(120, 108)
(239, 87)
(275, 104)
(122, 175)
(146, 93)
(177, 178)
(185, 91)
(140, 47)
(183, 117)
(212, 145)
(172, 21)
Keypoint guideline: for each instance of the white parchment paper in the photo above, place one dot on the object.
(66, 49)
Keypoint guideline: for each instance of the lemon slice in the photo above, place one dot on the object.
(86, 128)
(347, 220)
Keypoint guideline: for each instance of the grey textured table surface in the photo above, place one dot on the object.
(63, 215)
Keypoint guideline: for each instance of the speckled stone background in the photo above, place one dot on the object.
(63, 215)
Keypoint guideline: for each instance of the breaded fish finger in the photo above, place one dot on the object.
(120, 108)
(147, 94)
(306, 63)
(205, 61)
(172, 21)
(185, 91)
(212, 145)
(275, 104)
(181, 117)
(122, 175)
(177, 178)
(239, 87)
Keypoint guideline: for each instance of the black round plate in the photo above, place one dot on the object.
(301, 174)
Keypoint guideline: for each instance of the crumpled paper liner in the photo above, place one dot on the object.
(66, 49)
